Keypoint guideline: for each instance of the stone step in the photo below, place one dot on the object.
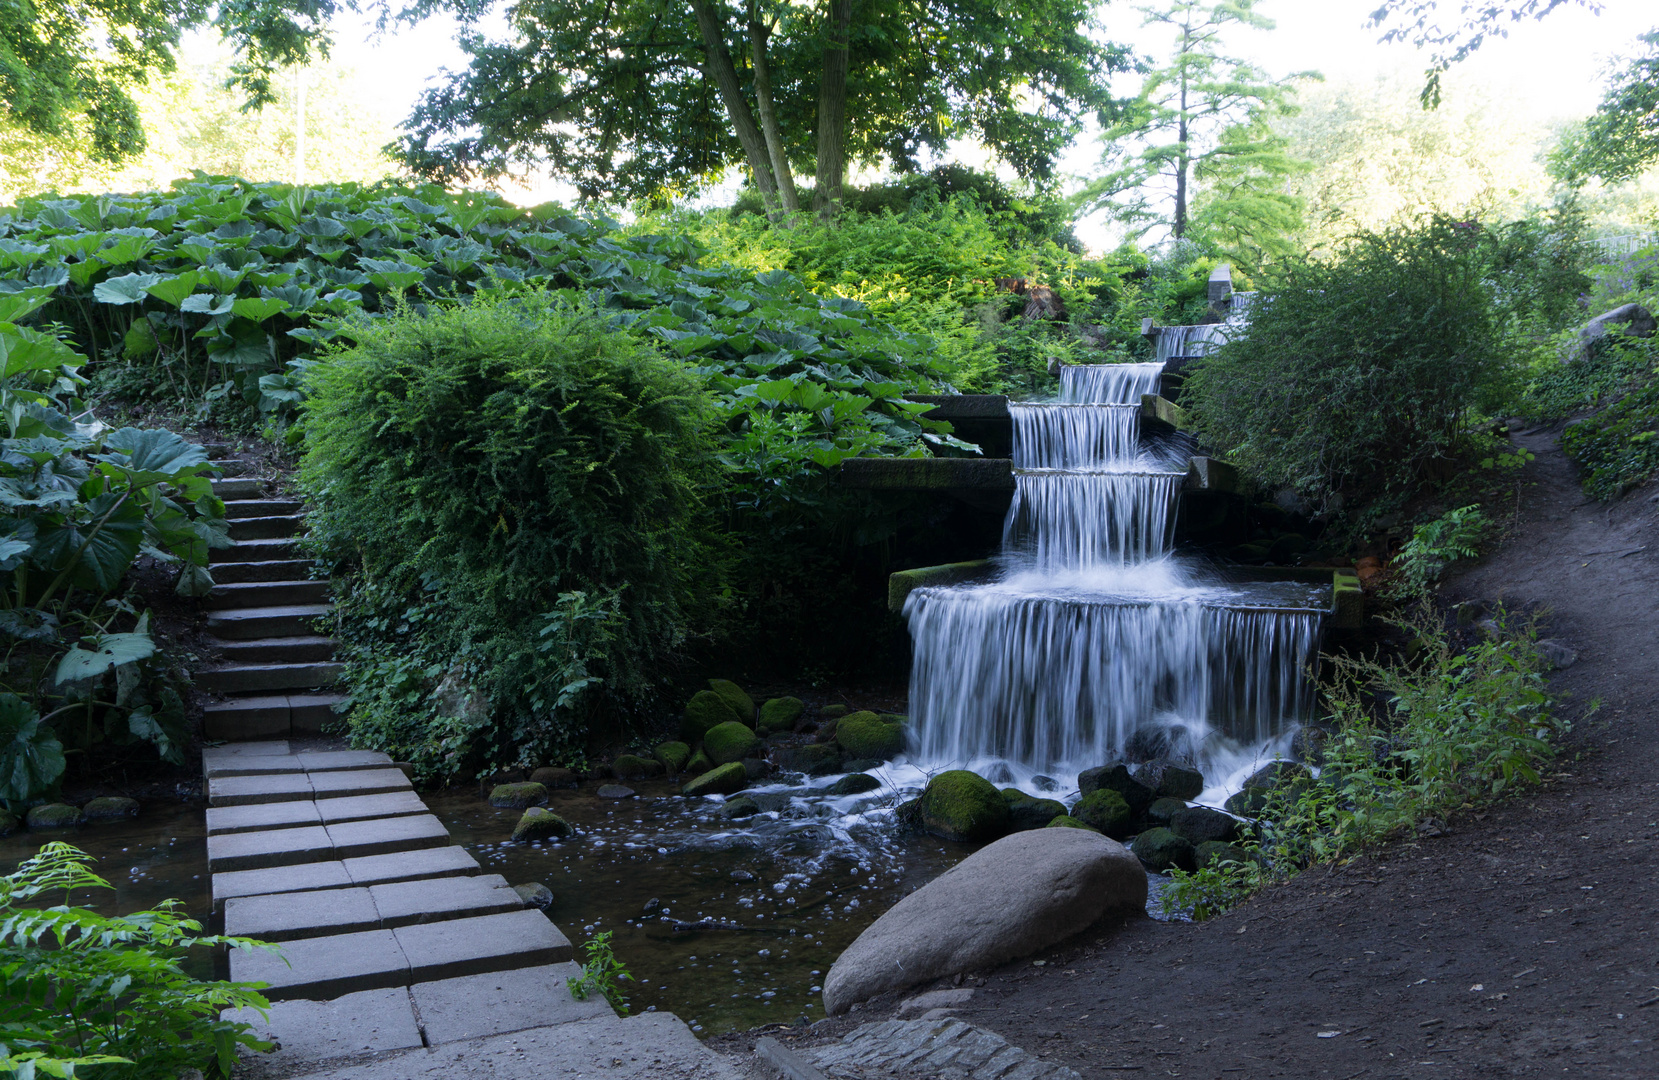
(254, 551)
(372, 870)
(261, 758)
(250, 594)
(237, 573)
(321, 843)
(238, 509)
(265, 528)
(241, 487)
(270, 715)
(289, 916)
(310, 649)
(254, 817)
(263, 678)
(285, 787)
(231, 466)
(283, 620)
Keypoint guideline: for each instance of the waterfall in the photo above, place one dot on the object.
(1095, 642)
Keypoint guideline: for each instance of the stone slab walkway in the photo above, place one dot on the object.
(943, 1049)
(394, 945)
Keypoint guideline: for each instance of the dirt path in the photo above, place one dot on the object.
(1523, 942)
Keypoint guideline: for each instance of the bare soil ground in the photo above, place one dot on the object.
(1520, 942)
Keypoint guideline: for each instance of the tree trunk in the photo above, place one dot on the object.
(711, 25)
(832, 111)
(758, 33)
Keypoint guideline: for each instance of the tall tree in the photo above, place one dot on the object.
(68, 68)
(637, 98)
(1202, 115)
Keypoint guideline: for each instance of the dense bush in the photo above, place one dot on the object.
(522, 490)
(1358, 374)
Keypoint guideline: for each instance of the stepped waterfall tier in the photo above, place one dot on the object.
(1095, 642)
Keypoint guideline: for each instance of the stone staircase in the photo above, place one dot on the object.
(274, 672)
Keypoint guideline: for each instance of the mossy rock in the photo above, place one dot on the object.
(866, 735)
(554, 777)
(633, 767)
(757, 768)
(706, 710)
(854, 784)
(674, 756)
(535, 894)
(735, 696)
(863, 764)
(539, 824)
(730, 742)
(1065, 821)
(1105, 810)
(110, 808)
(1162, 810)
(1160, 850)
(740, 807)
(834, 712)
(700, 763)
(963, 806)
(894, 718)
(1030, 813)
(1200, 824)
(1117, 777)
(8, 822)
(1012, 795)
(780, 714)
(1170, 779)
(53, 816)
(728, 779)
(814, 759)
(1214, 852)
(518, 796)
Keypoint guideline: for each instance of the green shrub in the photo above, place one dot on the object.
(86, 990)
(518, 490)
(1618, 447)
(1454, 535)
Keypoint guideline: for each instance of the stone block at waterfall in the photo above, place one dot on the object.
(1009, 899)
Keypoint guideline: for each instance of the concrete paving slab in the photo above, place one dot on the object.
(408, 866)
(363, 807)
(245, 790)
(248, 759)
(651, 1046)
(447, 950)
(405, 903)
(340, 785)
(270, 847)
(336, 760)
(478, 1005)
(286, 916)
(281, 879)
(320, 968)
(310, 1033)
(222, 820)
(380, 836)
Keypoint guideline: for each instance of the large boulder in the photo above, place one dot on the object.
(730, 742)
(854, 784)
(539, 824)
(1170, 779)
(780, 714)
(866, 735)
(1117, 777)
(735, 696)
(674, 756)
(110, 808)
(517, 796)
(1634, 319)
(1200, 824)
(1162, 810)
(699, 763)
(705, 710)
(634, 767)
(1106, 810)
(554, 777)
(1028, 813)
(1010, 899)
(814, 759)
(53, 816)
(1161, 849)
(963, 806)
(728, 779)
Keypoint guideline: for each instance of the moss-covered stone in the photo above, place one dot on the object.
(674, 756)
(728, 779)
(866, 735)
(700, 763)
(862, 764)
(705, 710)
(110, 808)
(1162, 810)
(1065, 821)
(1200, 824)
(1160, 850)
(730, 742)
(894, 718)
(963, 806)
(535, 894)
(757, 768)
(633, 767)
(854, 784)
(834, 712)
(1170, 779)
(53, 816)
(1105, 810)
(1030, 813)
(1212, 852)
(740, 807)
(518, 796)
(551, 778)
(814, 759)
(735, 696)
(780, 714)
(1116, 777)
(539, 824)
(8, 822)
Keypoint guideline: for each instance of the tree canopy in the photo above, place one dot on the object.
(1478, 20)
(1620, 140)
(636, 98)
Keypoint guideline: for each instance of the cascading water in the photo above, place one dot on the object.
(1094, 643)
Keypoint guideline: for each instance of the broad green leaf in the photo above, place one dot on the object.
(23, 350)
(151, 451)
(31, 758)
(24, 302)
(209, 303)
(96, 552)
(126, 289)
(106, 651)
(173, 290)
(258, 310)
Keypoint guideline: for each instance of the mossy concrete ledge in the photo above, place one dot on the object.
(1347, 601)
(1158, 410)
(964, 406)
(1213, 474)
(900, 584)
(929, 474)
